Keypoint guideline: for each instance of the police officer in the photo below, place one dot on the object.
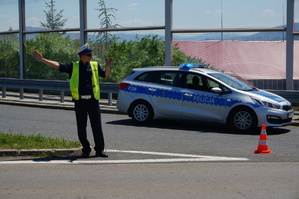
(85, 90)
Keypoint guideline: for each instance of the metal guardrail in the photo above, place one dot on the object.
(291, 95)
(41, 85)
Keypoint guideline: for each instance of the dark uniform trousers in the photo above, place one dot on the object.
(91, 108)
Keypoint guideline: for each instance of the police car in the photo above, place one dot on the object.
(193, 92)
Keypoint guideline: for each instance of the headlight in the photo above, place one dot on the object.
(266, 104)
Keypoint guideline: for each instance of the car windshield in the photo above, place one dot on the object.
(232, 82)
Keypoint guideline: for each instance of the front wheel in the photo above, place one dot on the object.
(243, 119)
(141, 112)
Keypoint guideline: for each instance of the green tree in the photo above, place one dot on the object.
(53, 46)
(9, 59)
(54, 20)
(106, 15)
(147, 51)
(142, 52)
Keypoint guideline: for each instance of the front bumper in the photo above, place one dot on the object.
(275, 117)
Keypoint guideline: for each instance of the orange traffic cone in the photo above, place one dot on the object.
(263, 145)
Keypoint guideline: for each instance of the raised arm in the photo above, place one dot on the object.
(40, 58)
(108, 63)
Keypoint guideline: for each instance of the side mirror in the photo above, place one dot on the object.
(216, 90)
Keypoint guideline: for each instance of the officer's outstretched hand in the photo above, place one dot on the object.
(37, 55)
(109, 61)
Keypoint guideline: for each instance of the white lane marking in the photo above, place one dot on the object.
(182, 158)
(158, 153)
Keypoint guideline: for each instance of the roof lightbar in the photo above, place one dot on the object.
(193, 65)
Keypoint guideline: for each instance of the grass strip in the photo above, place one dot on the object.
(34, 141)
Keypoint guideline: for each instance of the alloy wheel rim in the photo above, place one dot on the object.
(140, 112)
(243, 120)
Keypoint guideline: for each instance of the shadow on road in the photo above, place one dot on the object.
(203, 127)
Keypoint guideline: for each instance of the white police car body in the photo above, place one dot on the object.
(198, 93)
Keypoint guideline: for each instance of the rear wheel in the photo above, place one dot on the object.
(141, 112)
(243, 119)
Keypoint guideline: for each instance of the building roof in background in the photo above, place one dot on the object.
(247, 59)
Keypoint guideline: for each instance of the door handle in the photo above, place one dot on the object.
(188, 94)
(152, 89)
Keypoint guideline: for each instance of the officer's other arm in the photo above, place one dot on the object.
(40, 58)
(108, 63)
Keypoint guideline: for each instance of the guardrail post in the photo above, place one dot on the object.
(3, 92)
(110, 99)
(40, 94)
(62, 96)
(21, 93)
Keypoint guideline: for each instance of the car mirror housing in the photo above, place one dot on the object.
(217, 90)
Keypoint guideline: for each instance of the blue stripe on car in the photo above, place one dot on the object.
(201, 99)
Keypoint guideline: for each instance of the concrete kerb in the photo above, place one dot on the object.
(40, 152)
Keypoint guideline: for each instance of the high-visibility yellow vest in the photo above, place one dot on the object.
(74, 80)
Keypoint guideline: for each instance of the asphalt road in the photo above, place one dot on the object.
(193, 173)
(208, 180)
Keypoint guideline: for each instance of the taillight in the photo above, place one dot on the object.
(123, 85)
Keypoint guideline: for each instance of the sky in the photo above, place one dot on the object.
(187, 14)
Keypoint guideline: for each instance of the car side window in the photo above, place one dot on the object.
(147, 77)
(196, 82)
(170, 78)
(165, 78)
(213, 84)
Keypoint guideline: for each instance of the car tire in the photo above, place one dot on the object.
(243, 119)
(141, 112)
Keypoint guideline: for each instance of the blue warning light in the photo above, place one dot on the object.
(192, 65)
